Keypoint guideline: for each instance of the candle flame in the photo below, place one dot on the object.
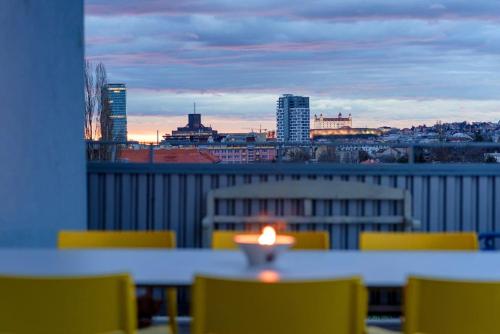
(268, 236)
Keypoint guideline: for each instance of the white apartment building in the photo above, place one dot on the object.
(292, 118)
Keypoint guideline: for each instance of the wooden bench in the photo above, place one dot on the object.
(310, 203)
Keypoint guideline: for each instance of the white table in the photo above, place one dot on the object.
(178, 267)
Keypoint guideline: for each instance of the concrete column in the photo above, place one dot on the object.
(42, 166)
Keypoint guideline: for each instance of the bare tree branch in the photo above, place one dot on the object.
(101, 81)
(89, 100)
(95, 80)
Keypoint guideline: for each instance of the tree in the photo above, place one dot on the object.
(402, 159)
(490, 159)
(89, 100)
(327, 154)
(363, 155)
(103, 110)
(442, 154)
(481, 137)
(297, 154)
(387, 159)
(95, 79)
(478, 137)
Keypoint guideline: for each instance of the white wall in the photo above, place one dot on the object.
(42, 166)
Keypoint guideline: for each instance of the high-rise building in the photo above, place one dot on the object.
(114, 119)
(292, 118)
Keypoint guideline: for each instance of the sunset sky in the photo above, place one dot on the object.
(387, 62)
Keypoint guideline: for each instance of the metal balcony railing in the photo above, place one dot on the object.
(445, 197)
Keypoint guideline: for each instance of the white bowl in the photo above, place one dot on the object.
(258, 254)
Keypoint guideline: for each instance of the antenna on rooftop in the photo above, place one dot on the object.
(194, 107)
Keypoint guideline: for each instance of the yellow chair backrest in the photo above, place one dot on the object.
(125, 239)
(418, 241)
(116, 239)
(313, 240)
(77, 305)
(247, 307)
(439, 307)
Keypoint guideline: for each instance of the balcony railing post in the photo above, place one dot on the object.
(151, 153)
(411, 154)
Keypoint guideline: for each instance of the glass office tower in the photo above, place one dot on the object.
(115, 95)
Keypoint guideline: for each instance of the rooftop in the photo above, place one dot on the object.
(176, 155)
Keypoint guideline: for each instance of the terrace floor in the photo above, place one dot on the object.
(185, 323)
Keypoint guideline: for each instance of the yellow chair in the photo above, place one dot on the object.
(458, 307)
(312, 240)
(116, 239)
(79, 305)
(396, 241)
(225, 306)
(125, 239)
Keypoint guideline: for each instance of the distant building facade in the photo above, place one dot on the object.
(292, 118)
(332, 122)
(114, 119)
(345, 132)
(271, 135)
(172, 155)
(243, 154)
(250, 137)
(459, 137)
(194, 131)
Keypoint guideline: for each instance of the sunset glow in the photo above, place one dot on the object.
(388, 64)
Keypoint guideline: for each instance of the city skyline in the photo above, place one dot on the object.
(401, 64)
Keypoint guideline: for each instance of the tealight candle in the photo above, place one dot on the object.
(263, 248)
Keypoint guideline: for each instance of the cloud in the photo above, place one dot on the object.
(313, 9)
(258, 105)
(437, 6)
(230, 54)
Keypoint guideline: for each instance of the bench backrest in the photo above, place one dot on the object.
(307, 204)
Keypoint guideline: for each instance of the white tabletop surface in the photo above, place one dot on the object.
(178, 267)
